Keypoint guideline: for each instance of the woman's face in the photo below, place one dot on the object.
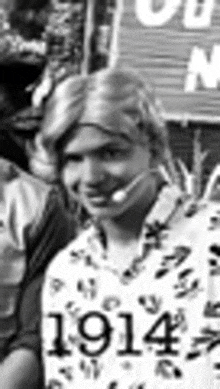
(96, 164)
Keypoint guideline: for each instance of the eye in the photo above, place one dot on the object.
(112, 153)
(73, 158)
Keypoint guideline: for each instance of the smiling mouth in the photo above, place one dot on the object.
(98, 201)
(98, 198)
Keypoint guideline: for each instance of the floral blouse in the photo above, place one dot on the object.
(155, 325)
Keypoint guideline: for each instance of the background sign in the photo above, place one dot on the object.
(176, 43)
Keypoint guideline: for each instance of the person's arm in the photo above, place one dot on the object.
(50, 232)
(21, 368)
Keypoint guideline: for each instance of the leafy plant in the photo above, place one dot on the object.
(176, 172)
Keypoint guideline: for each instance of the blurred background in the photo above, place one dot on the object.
(41, 40)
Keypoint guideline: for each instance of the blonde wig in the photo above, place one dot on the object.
(116, 100)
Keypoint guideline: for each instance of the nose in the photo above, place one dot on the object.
(92, 171)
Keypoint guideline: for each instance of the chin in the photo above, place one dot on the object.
(110, 210)
(107, 212)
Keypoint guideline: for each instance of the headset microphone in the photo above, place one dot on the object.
(120, 195)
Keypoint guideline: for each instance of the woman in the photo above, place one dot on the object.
(128, 303)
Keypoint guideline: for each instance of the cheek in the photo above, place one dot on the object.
(143, 160)
(70, 175)
(119, 169)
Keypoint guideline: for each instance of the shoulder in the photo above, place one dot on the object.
(22, 200)
(205, 213)
(201, 222)
(20, 189)
(63, 263)
(24, 182)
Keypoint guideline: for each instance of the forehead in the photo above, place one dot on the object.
(90, 138)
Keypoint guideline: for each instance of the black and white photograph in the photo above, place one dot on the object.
(109, 194)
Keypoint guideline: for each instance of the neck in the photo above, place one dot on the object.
(124, 229)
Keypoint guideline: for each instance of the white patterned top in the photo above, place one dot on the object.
(154, 326)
